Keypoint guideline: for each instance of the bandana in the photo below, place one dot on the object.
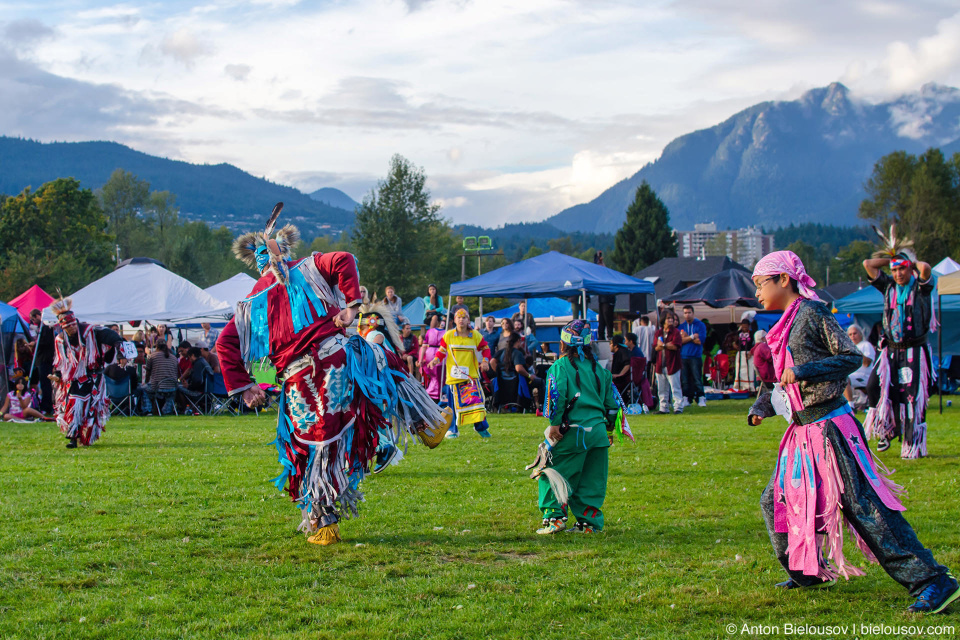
(576, 334)
(787, 262)
(900, 260)
(67, 318)
(461, 314)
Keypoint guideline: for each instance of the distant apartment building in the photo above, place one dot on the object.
(745, 246)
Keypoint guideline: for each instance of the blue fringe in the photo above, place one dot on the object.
(283, 440)
(301, 296)
(259, 327)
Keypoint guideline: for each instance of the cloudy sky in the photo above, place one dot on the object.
(515, 109)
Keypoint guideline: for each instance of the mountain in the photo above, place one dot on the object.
(334, 198)
(775, 163)
(219, 194)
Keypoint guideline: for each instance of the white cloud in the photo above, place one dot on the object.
(238, 72)
(185, 46)
(515, 110)
(929, 60)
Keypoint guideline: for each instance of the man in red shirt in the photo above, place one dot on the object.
(336, 392)
(667, 343)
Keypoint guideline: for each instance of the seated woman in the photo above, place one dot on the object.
(510, 365)
(16, 405)
(434, 301)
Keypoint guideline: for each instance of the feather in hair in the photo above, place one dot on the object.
(272, 220)
(892, 245)
(62, 305)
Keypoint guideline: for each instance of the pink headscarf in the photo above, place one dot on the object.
(787, 262)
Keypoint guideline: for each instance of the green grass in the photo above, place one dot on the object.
(169, 528)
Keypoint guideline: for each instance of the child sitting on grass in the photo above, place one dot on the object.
(16, 406)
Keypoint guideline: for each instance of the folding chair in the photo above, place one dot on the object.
(166, 391)
(201, 402)
(120, 395)
(506, 395)
(223, 402)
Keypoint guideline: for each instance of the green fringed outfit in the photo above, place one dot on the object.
(581, 457)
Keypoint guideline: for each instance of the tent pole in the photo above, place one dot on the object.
(940, 350)
(525, 312)
(3, 358)
(449, 302)
(583, 306)
(479, 297)
(33, 360)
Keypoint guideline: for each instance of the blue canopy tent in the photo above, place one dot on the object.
(11, 324)
(551, 274)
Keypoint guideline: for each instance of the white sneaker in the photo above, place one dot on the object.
(684, 404)
(702, 402)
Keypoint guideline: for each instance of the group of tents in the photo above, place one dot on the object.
(138, 289)
(143, 289)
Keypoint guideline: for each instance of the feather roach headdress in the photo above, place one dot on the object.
(63, 309)
(895, 248)
(254, 248)
(382, 317)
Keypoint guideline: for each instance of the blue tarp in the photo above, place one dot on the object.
(550, 275)
(542, 309)
(867, 306)
(414, 312)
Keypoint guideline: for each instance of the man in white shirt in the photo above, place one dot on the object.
(858, 379)
(644, 330)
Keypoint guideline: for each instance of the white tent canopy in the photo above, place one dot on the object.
(946, 266)
(233, 289)
(145, 292)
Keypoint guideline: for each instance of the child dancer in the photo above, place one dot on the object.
(825, 473)
(572, 463)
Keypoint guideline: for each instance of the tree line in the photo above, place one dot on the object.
(65, 236)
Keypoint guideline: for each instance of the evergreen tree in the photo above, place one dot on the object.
(922, 196)
(55, 236)
(646, 236)
(399, 237)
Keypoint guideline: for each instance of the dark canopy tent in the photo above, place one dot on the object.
(549, 275)
(726, 288)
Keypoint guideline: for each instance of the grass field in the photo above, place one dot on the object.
(170, 528)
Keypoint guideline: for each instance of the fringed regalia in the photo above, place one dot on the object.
(82, 407)
(337, 392)
(825, 473)
(899, 386)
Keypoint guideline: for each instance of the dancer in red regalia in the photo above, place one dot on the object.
(339, 395)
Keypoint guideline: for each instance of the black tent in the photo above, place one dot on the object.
(731, 287)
